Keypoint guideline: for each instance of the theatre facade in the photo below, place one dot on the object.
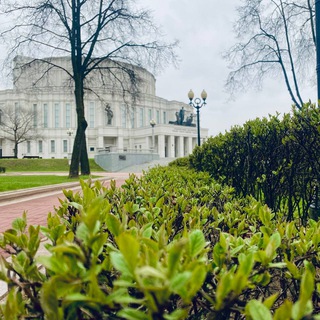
(118, 121)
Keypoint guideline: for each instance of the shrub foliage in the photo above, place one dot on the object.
(275, 160)
(173, 244)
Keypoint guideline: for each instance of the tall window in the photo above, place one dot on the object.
(52, 146)
(35, 115)
(132, 118)
(28, 147)
(16, 110)
(65, 145)
(40, 146)
(164, 117)
(123, 117)
(68, 115)
(56, 115)
(149, 115)
(16, 107)
(158, 116)
(91, 115)
(141, 117)
(45, 115)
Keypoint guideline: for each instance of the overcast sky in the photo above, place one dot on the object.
(204, 28)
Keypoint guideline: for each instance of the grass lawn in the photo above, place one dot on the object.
(15, 182)
(41, 165)
(9, 183)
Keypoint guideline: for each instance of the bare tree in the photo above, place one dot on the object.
(18, 125)
(91, 32)
(276, 37)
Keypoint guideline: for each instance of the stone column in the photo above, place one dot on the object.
(180, 146)
(171, 147)
(161, 146)
(189, 146)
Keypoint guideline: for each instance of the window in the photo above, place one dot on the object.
(141, 117)
(164, 117)
(56, 115)
(16, 107)
(123, 117)
(91, 115)
(65, 145)
(52, 146)
(158, 117)
(149, 115)
(91, 149)
(132, 118)
(28, 147)
(45, 115)
(68, 115)
(35, 115)
(40, 146)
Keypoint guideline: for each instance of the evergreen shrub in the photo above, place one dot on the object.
(276, 160)
(173, 244)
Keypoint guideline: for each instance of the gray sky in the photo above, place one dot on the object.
(204, 28)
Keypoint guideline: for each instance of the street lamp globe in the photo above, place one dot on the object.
(152, 123)
(197, 103)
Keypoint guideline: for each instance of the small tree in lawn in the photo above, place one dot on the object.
(90, 33)
(17, 125)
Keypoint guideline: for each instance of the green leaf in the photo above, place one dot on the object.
(113, 224)
(132, 314)
(146, 230)
(19, 224)
(197, 243)
(273, 244)
(50, 302)
(174, 255)
(284, 311)
(178, 284)
(258, 311)
(224, 288)
(176, 315)
(269, 302)
(119, 262)
(129, 247)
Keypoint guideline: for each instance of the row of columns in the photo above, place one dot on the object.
(167, 146)
(174, 146)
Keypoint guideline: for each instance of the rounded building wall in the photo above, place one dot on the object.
(115, 121)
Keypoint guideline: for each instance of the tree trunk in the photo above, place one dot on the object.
(15, 150)
(79, 153)
(84, 161)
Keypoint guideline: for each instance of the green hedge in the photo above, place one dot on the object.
(173, 244)
(277, 160)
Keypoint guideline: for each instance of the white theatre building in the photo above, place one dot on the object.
(116, 122)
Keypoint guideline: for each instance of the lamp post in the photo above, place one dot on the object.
(198, 104)
(69, 133)
(152, 124)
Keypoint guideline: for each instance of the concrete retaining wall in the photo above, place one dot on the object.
(115, 161)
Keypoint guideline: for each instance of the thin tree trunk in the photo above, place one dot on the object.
(79, 154)
(84, 160)
(293, 72)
